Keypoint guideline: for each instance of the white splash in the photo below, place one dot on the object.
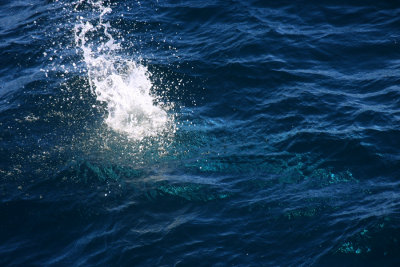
(123, 84)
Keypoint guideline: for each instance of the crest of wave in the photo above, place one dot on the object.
(123, 84)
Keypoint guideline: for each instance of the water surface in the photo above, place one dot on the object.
(211, 133)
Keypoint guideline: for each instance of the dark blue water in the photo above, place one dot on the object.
(199, 133)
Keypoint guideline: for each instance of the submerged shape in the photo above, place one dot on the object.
(192, 192)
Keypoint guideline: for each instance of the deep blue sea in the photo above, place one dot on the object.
(199, 133)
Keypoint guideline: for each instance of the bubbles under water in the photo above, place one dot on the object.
(124, 85)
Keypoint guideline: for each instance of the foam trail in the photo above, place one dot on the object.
(123, 84)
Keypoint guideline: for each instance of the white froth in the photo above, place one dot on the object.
(123, 84)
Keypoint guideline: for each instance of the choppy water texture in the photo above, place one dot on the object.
(199, 133)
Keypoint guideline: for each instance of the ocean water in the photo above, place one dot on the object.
(199, 133)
